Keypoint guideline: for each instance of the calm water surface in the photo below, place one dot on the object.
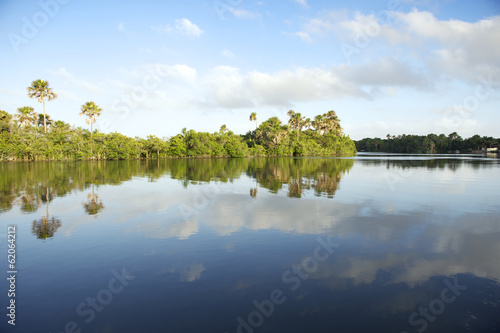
(375, 243)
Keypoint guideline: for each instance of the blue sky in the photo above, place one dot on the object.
(407, 66)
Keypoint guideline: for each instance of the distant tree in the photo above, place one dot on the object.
(5, 121)
(40, 90)
(61, 125)
(296, 122)
(253, 117)
(319, 124)
(223, 129)
(332, 123)
(91, 111)
(41, 120)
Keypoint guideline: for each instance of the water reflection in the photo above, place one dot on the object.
(45, 227)
(93, 205)
(198, 243)
(27, 182)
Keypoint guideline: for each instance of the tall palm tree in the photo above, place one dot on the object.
(26, 115)
(91, 111)
(40, 90)
(253, 117)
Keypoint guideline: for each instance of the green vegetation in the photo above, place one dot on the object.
(422, 144)
(33, 137)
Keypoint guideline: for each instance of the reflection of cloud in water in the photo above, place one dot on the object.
(189, 273)
(412, 246)
(169, 229)
(228, 215)
(473, 253)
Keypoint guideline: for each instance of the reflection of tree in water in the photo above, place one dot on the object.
(93, 205)
(29, 203)
(45, 227)
(326, 184)
(300, 175)
(6, 199)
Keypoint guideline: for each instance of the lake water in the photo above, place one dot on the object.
(374, 243)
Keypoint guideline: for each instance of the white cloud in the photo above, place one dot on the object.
(183, 72)
(242, 13)
(463, 50)
(228, 87)
(182, 27)
(303, 35)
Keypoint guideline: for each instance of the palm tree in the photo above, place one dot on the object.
(40, 90)
(26, 115)
(296, 121)
(332, 123)
(318, 124)
(91, 111)
(41, 119)
(223, 129)
(61, 125)
(253, 117)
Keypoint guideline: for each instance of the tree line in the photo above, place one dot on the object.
(424, 144)
(28, 136)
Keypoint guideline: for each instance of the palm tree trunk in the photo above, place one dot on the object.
(91, 141)
(44, 122)
(47, 198)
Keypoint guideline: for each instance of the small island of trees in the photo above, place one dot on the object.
(28, 136)
(427, 144)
